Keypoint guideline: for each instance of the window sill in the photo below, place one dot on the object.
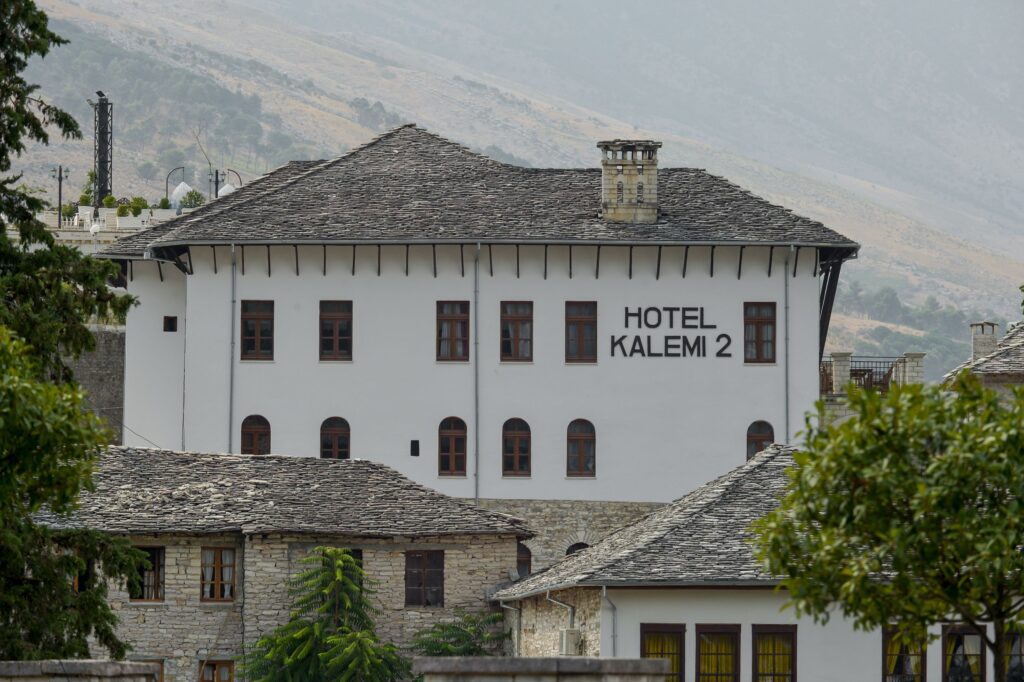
(256, 361)
(581, 363)
(335, 361)
(146, 603)
(451, 362)
(515, 362)
(516, 477)
(443, 477)
(217, 604)
(755, 363)
(581, 478)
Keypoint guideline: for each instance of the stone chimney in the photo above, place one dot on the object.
(629, 180)
(983, 339)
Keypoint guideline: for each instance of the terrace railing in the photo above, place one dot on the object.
(874, 373)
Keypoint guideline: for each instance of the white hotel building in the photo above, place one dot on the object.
(572, 346)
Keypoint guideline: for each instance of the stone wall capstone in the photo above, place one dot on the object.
(77, 671)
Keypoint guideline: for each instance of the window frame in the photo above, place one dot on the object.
(718, 629)
(257, 317)
(524, 555)
(517, 455)
(962, 629)
(677, 629)
(759, 438)
(581, 439)
(454, 319)
(759, 323)
(335, 354)
(334, 432)
(423, 569)
(217, 664)
(451, 435)
(887, 636)
(579, 321)
(218, 566)
(772, 629)
(254, 432)
(158, 580)
(516, 320)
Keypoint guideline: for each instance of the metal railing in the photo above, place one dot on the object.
(872, 373)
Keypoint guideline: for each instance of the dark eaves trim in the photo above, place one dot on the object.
(853, 247)
(666, 585)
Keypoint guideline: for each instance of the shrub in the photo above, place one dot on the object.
(164, 203)
(138, 204)
(109, 201)
(193, 199)
(470, 634)
(85, 200)
(123, 211)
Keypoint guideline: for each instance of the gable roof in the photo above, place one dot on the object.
(412, 186)
(702, 538)
(145, 490)
(1007, 358)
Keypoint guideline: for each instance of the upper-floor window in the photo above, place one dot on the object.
(335, 330)
(718, 653)
(255, 435)
(665, 640)
(760, 435)
(451, 447)
(151, 580)
(170, 323)
(334, 439)
(581, 448)
(453, 330)
(257, 330)
(963, 654)
(581, 331)
(902, 661)
(759, 332)
(774, 653)
(217, 574)
(515, 448)
(524, 560)
(217, 671)
(516, 331)
(424, 578)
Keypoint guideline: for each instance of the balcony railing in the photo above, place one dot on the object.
(874, 373)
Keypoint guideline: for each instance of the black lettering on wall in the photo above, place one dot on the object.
(656, 317)
(638, 347)
(619, 341)
(673, 345)
(671, 316)
(630, 314)
(726, 341)
(691, 349)
(705, 326)
(690, 318)
(650, 351)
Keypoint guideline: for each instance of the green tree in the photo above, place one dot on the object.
(138, 204)
(193, 199)
(330, 635)
(470, 634)
(164, 203)
(124, 210)
(109, 201)
(911, 513)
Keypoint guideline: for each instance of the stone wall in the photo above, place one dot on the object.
(537, 632)
(562, 523)
(101, 375)
(456, 669)
(77, 671)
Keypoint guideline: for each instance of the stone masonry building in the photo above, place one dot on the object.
(997, 362)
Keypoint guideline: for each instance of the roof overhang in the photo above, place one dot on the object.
(647, 585)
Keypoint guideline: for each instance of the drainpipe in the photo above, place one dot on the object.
(519, 624)
(476, 375)
(572, 609)
(786, 345)
(231, 359)
(615, 613)
(184, 361)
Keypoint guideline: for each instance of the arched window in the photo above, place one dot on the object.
(451, 447)
(581, 445)
(524, 560)
(759, 436)
(255, 435)
(515, 444)
(334, 439)
(576, 547)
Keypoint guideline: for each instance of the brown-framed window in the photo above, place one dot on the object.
(453, 330)
(515, 448)
(581, 449)
(581, 331)
(335, 330)
(665, 640)
(902, 661)
(758, 332)
(217, 581)
(1015, 656)
(451, 447)
(774, 653)
(255, 435)
(257, 330)
(760, 435)
(424, 578)
(516, 331)
(335, 438)
(718, 653)
(151, 580)
(524, 560)
(217, 671)
(963, 654)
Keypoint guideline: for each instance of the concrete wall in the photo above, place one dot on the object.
(77, 671)
(101, 375)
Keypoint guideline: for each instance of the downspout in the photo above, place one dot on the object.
(519, 624)
(786, 343)
(476, 375)
(184, 365)
(615, 613)
(572, 609)
(231, 359)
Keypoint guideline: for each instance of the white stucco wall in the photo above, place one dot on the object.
(664, 425)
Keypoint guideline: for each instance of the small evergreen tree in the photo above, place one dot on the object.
(109, 201)
(193, 199)
(138, 204)
(470, 634)
(330, 636)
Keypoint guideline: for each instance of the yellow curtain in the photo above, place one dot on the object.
(774, 657)
(667, 645)
(717, 655)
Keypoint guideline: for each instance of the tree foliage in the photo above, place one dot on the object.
(470, 634)
(330, 635)
(193, 199)
(911, 513)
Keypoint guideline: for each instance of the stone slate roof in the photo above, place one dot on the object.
(145, 490)
(411, 186)
(1008, 358)
(701, 539)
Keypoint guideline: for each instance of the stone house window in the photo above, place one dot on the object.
(718, 653)
(774, 652)
(255, 435)
(758, 332)
(963, 654)
(424, 578)
(159, 662)
(581, 445)
(516, 331)
(524, 560)
(151, 580)
(760, 435)
(576, 547)
(581, 331)
(257, 330)
(217, 671)
(451, 447)
(335, 330)
(335, 439)
(217, 574)
(665, 640)
(515, 448)
(453, 331)
(902, 662)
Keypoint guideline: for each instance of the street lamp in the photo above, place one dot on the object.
(168, 180)
(59, 174)
(232, 170)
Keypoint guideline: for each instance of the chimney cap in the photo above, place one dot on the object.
(983, 327)
(637, 144)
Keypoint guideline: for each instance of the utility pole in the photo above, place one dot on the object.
(60, 173)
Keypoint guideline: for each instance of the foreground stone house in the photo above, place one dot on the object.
(225, 532)
(997, 362)
(682, 583)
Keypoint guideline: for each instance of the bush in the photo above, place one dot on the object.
(193, 199)
(109, 201)
(470, 634)
(85, 200)
(123, 211)
(164, 203)
(138, 204)
(68, 210)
